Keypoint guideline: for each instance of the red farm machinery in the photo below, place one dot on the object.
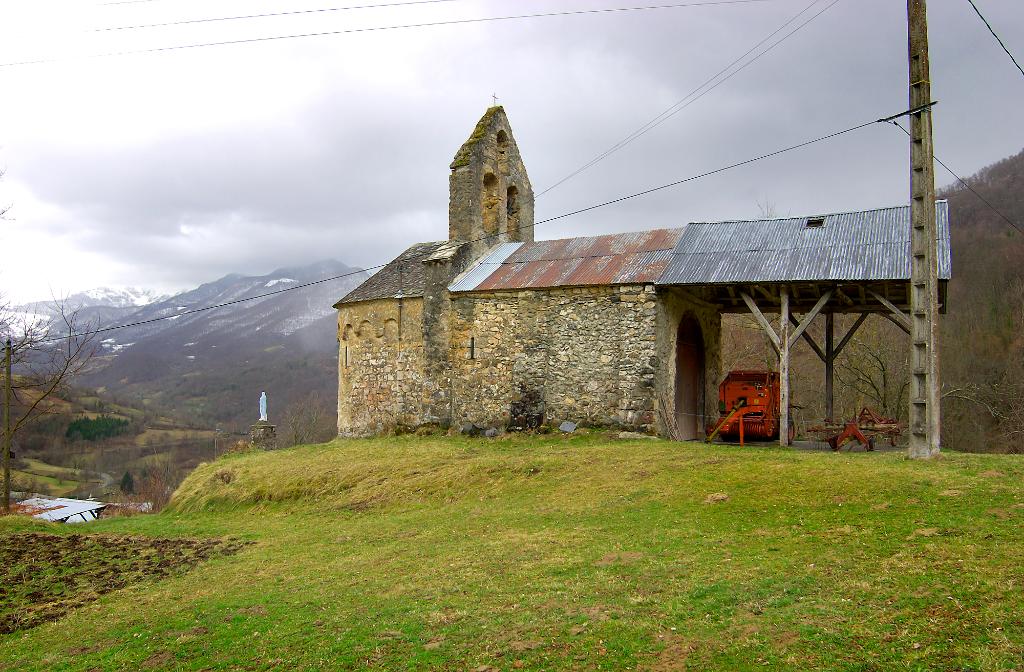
(748, 407)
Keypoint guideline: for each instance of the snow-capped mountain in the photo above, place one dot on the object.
(101, 305)
(270, 338)
(115, 297)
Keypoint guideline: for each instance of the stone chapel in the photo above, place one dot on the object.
(495, 328)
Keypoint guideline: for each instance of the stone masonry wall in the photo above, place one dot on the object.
(380, 365)
(586, 354)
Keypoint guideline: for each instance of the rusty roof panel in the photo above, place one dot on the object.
(624, 258)
(867, 245)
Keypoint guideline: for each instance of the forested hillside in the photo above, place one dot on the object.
(983, 331)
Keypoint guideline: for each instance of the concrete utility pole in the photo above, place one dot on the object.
(925, 414)
(7, 425)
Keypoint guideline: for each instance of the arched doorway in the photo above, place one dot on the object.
(689, 379)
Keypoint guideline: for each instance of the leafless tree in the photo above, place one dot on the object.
(45, 357)
(157, 481)
(875, 367)
(308, 420)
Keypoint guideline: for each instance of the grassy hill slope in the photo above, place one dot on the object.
(575, 552)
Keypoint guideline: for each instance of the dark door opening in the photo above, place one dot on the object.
(689, 379)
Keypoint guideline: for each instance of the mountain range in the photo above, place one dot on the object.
(208, 365)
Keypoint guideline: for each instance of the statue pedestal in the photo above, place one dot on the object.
(263, 435)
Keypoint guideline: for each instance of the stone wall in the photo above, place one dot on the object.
(673, 305)
(583, 354)
(380, 365)
(599, 356)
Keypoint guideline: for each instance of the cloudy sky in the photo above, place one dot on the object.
(171, 168)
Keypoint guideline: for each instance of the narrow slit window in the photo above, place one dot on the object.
(346, 356)
(472, 347)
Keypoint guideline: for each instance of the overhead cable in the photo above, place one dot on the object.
(682, 104)
(240, 17)
(603, 204)
(998, 39)
(372, 29)
(962, 181)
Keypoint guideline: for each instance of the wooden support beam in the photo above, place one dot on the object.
(830, 365)
(898, 322)
(762, 320)
(784, 345)
(849, 334)
(841, 295)
(697, 300)
(809, 340)
(899, 318)
(809, 317)
(765, 293)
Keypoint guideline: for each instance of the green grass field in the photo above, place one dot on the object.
(55, 479)
(566, 553)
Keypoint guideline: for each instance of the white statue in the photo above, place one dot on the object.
(263, 407)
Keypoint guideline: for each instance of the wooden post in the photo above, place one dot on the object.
(784, 347)
(830, 362)
(7, 426)
(925, 418)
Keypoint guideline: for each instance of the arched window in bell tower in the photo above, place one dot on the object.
(491, 203)
(512, 211)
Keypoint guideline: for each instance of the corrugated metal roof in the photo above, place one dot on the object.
(866, 245)
(405, 275)
(616, 259)
(488, 264)
(61, 509)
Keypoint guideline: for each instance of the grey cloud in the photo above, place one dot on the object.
(360, 173)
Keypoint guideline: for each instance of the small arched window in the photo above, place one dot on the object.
(512, 201)
(491, 204)
(502, 140)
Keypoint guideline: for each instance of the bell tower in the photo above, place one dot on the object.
(490, 197)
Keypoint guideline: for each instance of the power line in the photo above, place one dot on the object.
(537, 223)
(271, 14)
(682, 104)
(428, 24)
(989, 26)
(964, 182)
(716, 171)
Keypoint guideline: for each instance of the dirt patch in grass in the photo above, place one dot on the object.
(44, 576)
(158, 659)
(673, 657)
(620, 558)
